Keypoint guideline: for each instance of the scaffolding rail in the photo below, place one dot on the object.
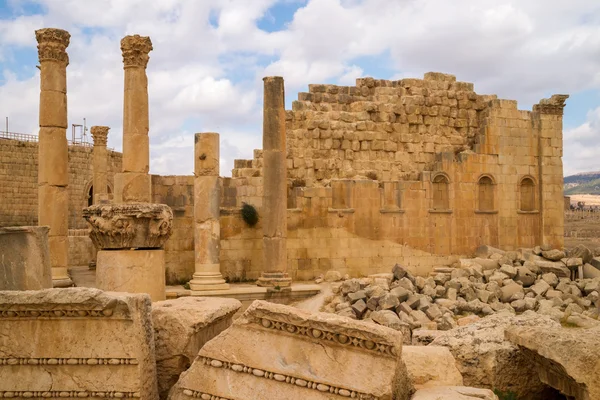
(24, 137)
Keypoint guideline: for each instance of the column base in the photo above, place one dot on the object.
(274, 279)
(202, 281)
(60, 278)
(62, 283)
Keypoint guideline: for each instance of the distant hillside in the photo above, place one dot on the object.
(583, 183)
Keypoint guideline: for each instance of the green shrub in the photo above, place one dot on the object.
(249, 214)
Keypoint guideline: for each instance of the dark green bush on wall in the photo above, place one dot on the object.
(249, 214)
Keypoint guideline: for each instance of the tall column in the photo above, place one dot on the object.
(53, 171)
(274, 212)
(207, 227)
(100, 183)
(133, 184)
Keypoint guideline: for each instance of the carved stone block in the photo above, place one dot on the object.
(181, 327)
(280, 352)
(76, 342)
(125, 226)
(24, 258)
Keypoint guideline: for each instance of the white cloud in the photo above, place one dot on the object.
(209, 57)
(582, 146)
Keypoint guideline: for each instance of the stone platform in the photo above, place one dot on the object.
(245, 292)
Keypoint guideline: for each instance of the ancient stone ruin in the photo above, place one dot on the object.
(429, 217)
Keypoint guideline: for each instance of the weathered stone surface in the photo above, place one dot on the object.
(454, 393)
(333, 276)
(487, 360)
(553, 255)
(24, 258)
(581, 251)
(566, 359)
(246, 360)
(132, 271)
(429, 366)
(125, 226)
(181, 327)
(76, 342)
(558, 268)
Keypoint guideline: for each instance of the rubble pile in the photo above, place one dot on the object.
(541, 279)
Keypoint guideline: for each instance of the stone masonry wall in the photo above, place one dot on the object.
(425, 165)
(18, 182)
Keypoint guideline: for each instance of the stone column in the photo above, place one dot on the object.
(133, 184)
(100, 185)
(274, 211)
(207, 227)
(53, 171)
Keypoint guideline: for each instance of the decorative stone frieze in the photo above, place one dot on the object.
(125, 226)
(76, 343)
(280, 352)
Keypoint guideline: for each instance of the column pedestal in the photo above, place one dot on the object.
(132, 271)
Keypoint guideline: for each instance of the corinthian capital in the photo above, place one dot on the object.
(100, 134)
(135, 50)
(52, 44)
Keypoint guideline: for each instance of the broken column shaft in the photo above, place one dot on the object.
(53, 168)
(207, 226)
(275, 186)
(100, 181)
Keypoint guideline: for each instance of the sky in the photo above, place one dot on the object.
(205, 72)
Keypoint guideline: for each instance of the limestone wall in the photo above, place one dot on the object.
(178, 193)
(18, 182)
(81, 248)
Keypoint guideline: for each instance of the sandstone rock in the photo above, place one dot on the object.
(467, 320)
(405, 307)
(487, 264)
(245, 361)
(553, 255)
(519, 305)
(487, 360)
(420, 316)
(446, 322)
(566, 359)
(87, 341)
(574, 262)
(580, 251)
(525, 276)
(400, 293)
(589, 271)
(486, 251)
(451, 293)
(399, 272)
(354, 297)
(333, 276)
(430, 366)
(550, 278)
(509, 291)
(181, 327)
(558, 268)
(454, 393)
(433, 312)
(375, 291)
(406, 284)
(551, 294)
(350, 286)
(388, 302)
(359, 308)
(540, 288)
(423, 337)
(509, 270)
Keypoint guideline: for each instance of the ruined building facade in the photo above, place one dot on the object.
(409, 171)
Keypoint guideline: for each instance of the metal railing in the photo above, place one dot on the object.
(24, 137)
(574, 215)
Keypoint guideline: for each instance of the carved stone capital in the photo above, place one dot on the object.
(135, 50)
(100, 135)
(125, 226)
(52, 44)
(554, 105)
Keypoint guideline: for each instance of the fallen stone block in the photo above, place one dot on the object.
(558, 268)
(422, 337)
(181, 327)
(76, 342)
(565, 359)
(429, 366)
(487, 360)
(589, 271)
(280, 352)
(454, 393)
(486, 251)
(24, 258)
